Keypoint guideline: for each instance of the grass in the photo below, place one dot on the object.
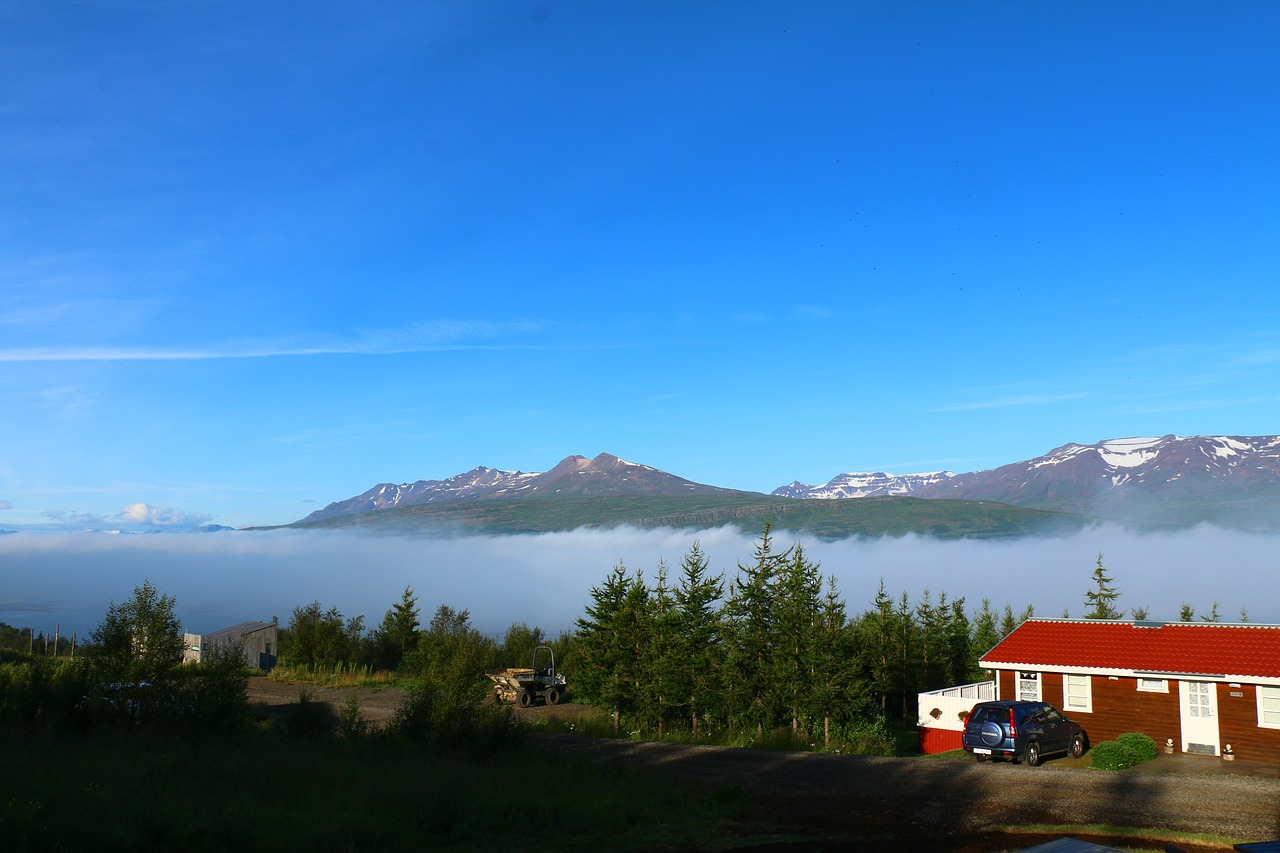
(339, 675)
(267, 792)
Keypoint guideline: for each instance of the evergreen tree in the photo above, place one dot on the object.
(880, 646)
(1140, 614)
(797, 616)
(985, 637)
(662, 665)
(1007, 622)
(1100, 601)
(834, 686)
(1214, 615)
(698, 629)
(749, 625)
(398, 633)
(609, 645)
(932, 622)
(1187, 613)
(908, 654)
(959, 644)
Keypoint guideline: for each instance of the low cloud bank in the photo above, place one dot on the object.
(221, 579)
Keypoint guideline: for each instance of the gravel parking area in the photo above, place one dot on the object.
(929, 804)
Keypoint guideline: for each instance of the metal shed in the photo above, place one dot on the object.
(259, 641)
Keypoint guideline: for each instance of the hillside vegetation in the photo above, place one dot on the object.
(826, 519)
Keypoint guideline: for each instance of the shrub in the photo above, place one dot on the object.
(433, 714)
(351, 723)
(308, 717)
(1129, 749)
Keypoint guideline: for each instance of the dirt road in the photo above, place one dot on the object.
(923, 800)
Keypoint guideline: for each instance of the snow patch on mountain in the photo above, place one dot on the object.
(862, 485)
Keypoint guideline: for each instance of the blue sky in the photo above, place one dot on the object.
(255, 257)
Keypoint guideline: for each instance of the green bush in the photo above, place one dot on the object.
(309, 717)
(1128, 750)
(433, 714)
(44, 692)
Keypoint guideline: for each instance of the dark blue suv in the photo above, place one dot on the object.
(1024, 731)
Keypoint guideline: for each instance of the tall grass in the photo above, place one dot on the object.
(337, 675)
(870, 737)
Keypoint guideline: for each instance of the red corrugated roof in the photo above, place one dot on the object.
(1174, 647)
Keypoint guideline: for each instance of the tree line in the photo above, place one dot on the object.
(772, 648)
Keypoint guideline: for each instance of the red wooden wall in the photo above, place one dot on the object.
(1119, 707)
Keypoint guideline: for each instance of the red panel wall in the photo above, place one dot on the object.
(938, 740)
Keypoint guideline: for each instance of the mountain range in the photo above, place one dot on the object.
(1232, 481)
(1168, 482)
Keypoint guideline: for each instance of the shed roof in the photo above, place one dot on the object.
(1192, 648)
(234, 633)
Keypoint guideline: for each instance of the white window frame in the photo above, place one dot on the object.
(1152, 685)
(1269, 696)
(1067, 705)
(1038, 678)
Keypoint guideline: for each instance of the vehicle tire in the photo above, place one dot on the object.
(1033, 754)
(553, 697)
(526, 699)
(1077, 746)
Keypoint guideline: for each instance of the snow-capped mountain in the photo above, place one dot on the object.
(1226, 479)
(863, 485)
(574, 475)
(1233, 481)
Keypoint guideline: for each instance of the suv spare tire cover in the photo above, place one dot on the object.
(991, 733)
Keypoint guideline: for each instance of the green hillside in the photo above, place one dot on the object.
(827, 519)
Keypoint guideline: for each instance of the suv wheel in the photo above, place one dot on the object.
(1077, 746)
(1033, 754)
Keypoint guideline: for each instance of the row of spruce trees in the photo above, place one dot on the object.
(772, 648)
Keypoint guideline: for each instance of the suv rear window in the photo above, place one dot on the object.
(988, 714)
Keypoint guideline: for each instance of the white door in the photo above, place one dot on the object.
(1199, 703)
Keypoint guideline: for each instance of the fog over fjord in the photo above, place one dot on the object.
(220, 579)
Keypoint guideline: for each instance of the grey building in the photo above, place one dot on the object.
(258, 641)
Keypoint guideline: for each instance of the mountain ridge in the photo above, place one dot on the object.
(1171, 481)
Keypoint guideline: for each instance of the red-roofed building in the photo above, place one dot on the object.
(1202, 684)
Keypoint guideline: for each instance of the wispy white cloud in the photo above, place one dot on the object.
(135, 516)
(419, 337)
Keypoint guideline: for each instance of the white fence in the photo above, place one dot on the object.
(946, 708)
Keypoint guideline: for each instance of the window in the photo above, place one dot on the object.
(1029, 686)
(1269, 707)
(1077, 693)
(1153, 685)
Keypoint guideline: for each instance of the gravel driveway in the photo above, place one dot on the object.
(924, 800)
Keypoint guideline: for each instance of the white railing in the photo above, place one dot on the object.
(945, 709)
